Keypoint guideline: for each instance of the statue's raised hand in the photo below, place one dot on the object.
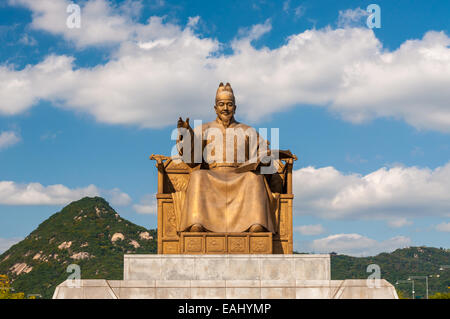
(183, 124)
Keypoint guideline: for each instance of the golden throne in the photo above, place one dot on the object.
(173, 178)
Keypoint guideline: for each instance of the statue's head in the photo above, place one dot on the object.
(225, 103)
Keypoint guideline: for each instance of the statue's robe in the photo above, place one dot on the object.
(223, 195)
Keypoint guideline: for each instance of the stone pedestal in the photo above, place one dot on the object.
(227, 267)
(226, 277)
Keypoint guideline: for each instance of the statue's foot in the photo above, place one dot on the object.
(256, 228)
(197, 228)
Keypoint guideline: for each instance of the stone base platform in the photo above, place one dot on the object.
(225, 289)
(226, 277)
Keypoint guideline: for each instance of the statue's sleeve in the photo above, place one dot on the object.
(256, 149)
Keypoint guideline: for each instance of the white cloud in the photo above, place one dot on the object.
(399, 222)
(147, 205)
(393, 194)
(12, 193)
(145, 209)
(6, 243)
(345, 70)
(357, 245)
(28, 40)
(444, 227)
(8, 139)
(310, 230)
(193, 21)
(101, 24)
(253, 33)
(352, 18)
(133, 8)
(117, 197)
(130, 90)
(298, 11)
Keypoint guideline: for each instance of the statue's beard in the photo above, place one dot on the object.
(226, 118)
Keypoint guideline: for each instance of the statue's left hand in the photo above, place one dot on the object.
(183, 124)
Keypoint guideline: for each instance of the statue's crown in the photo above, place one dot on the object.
(224, 91)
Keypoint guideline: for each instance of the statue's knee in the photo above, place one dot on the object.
(197, 228)
(256, 228)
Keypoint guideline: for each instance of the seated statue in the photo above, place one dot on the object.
(227, 192)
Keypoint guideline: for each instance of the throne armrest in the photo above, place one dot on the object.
(286, 154)
(282, 179)
(172, 173)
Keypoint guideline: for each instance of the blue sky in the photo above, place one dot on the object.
(366, 110)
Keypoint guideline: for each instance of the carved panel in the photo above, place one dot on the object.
(260, 245)
(193, 244)
(237, 245)
(170, 247)
(179, 181)
(284, 207)
(169, 220)
(216, 245)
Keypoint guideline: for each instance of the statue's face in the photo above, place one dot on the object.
(225, 109)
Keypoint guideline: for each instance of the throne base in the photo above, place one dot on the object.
(225, 243)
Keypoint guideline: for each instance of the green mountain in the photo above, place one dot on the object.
(91, 234)
(88, 233)
(398, 266)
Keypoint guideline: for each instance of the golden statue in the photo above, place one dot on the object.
(220, 200)
(218, 197)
